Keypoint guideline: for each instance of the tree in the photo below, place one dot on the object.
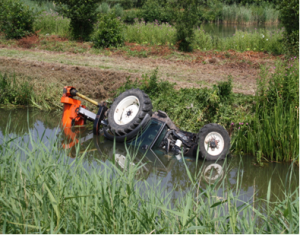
(186, 19)
(83, 15)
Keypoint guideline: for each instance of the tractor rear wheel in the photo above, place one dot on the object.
(128, 110)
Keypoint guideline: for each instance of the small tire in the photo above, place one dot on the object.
(214, 142)
(128, 111)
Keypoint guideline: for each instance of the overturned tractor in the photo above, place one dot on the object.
(130, 119)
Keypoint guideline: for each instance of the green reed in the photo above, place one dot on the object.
(43, 191)
(273, 132)
(258, 40)
(20, 90)
(238, 14)
(48, 6)
(150, 33)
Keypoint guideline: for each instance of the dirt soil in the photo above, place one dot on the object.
(99, 76)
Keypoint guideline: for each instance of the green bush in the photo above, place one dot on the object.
(185, 22)
(83, 15)
(104, 8)
(289, 16)
(152, 11)
(118, 10)
(16, 19)
(109, 32)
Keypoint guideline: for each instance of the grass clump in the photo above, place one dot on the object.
(42, 191)
(273, 132)
(17, 90)
(52, 23)
(13, 92)
(239, 14)
(150, 33)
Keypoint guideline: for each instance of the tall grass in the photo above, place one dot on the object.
(273, 133)
(52, 23)
(258, 40)
(238, 14)
(19, 90)
(150, 33)
(42, 191)
(38, 6)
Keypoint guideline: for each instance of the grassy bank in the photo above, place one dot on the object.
(19, 90)
(264, 125)
(43, 192)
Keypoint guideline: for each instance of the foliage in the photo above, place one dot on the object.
(104, 8)
(118, 9)
(249, 14)
(39, 6)
(273, 132)
(190, 109)
(185, 21)
(16, 19)
(150, 33)
(153, 10)
(109, 32)
(12, 92)
(289, 16)
(82, 14)
(131, 15)
(52, 23)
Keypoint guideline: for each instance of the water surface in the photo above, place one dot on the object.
(157, 164)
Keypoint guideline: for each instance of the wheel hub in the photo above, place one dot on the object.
(214, 143)
(126, 110)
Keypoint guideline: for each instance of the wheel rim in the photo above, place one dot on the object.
(126, 110)
(214, 143)
(213, 172)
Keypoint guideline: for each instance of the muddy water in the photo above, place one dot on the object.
(227, 30)
(157, 165)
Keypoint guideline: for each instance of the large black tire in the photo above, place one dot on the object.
(128, 111)
(213, 142)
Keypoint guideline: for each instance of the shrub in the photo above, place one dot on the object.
(185, 22)
(104, 8)
(118, 10)
(83, 15)
(16, 19)
(289, 16)
(153, 10)
(109, 32)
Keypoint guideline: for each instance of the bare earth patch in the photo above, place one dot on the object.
(100, 75)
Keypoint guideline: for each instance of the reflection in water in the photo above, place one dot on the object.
(157, 165)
